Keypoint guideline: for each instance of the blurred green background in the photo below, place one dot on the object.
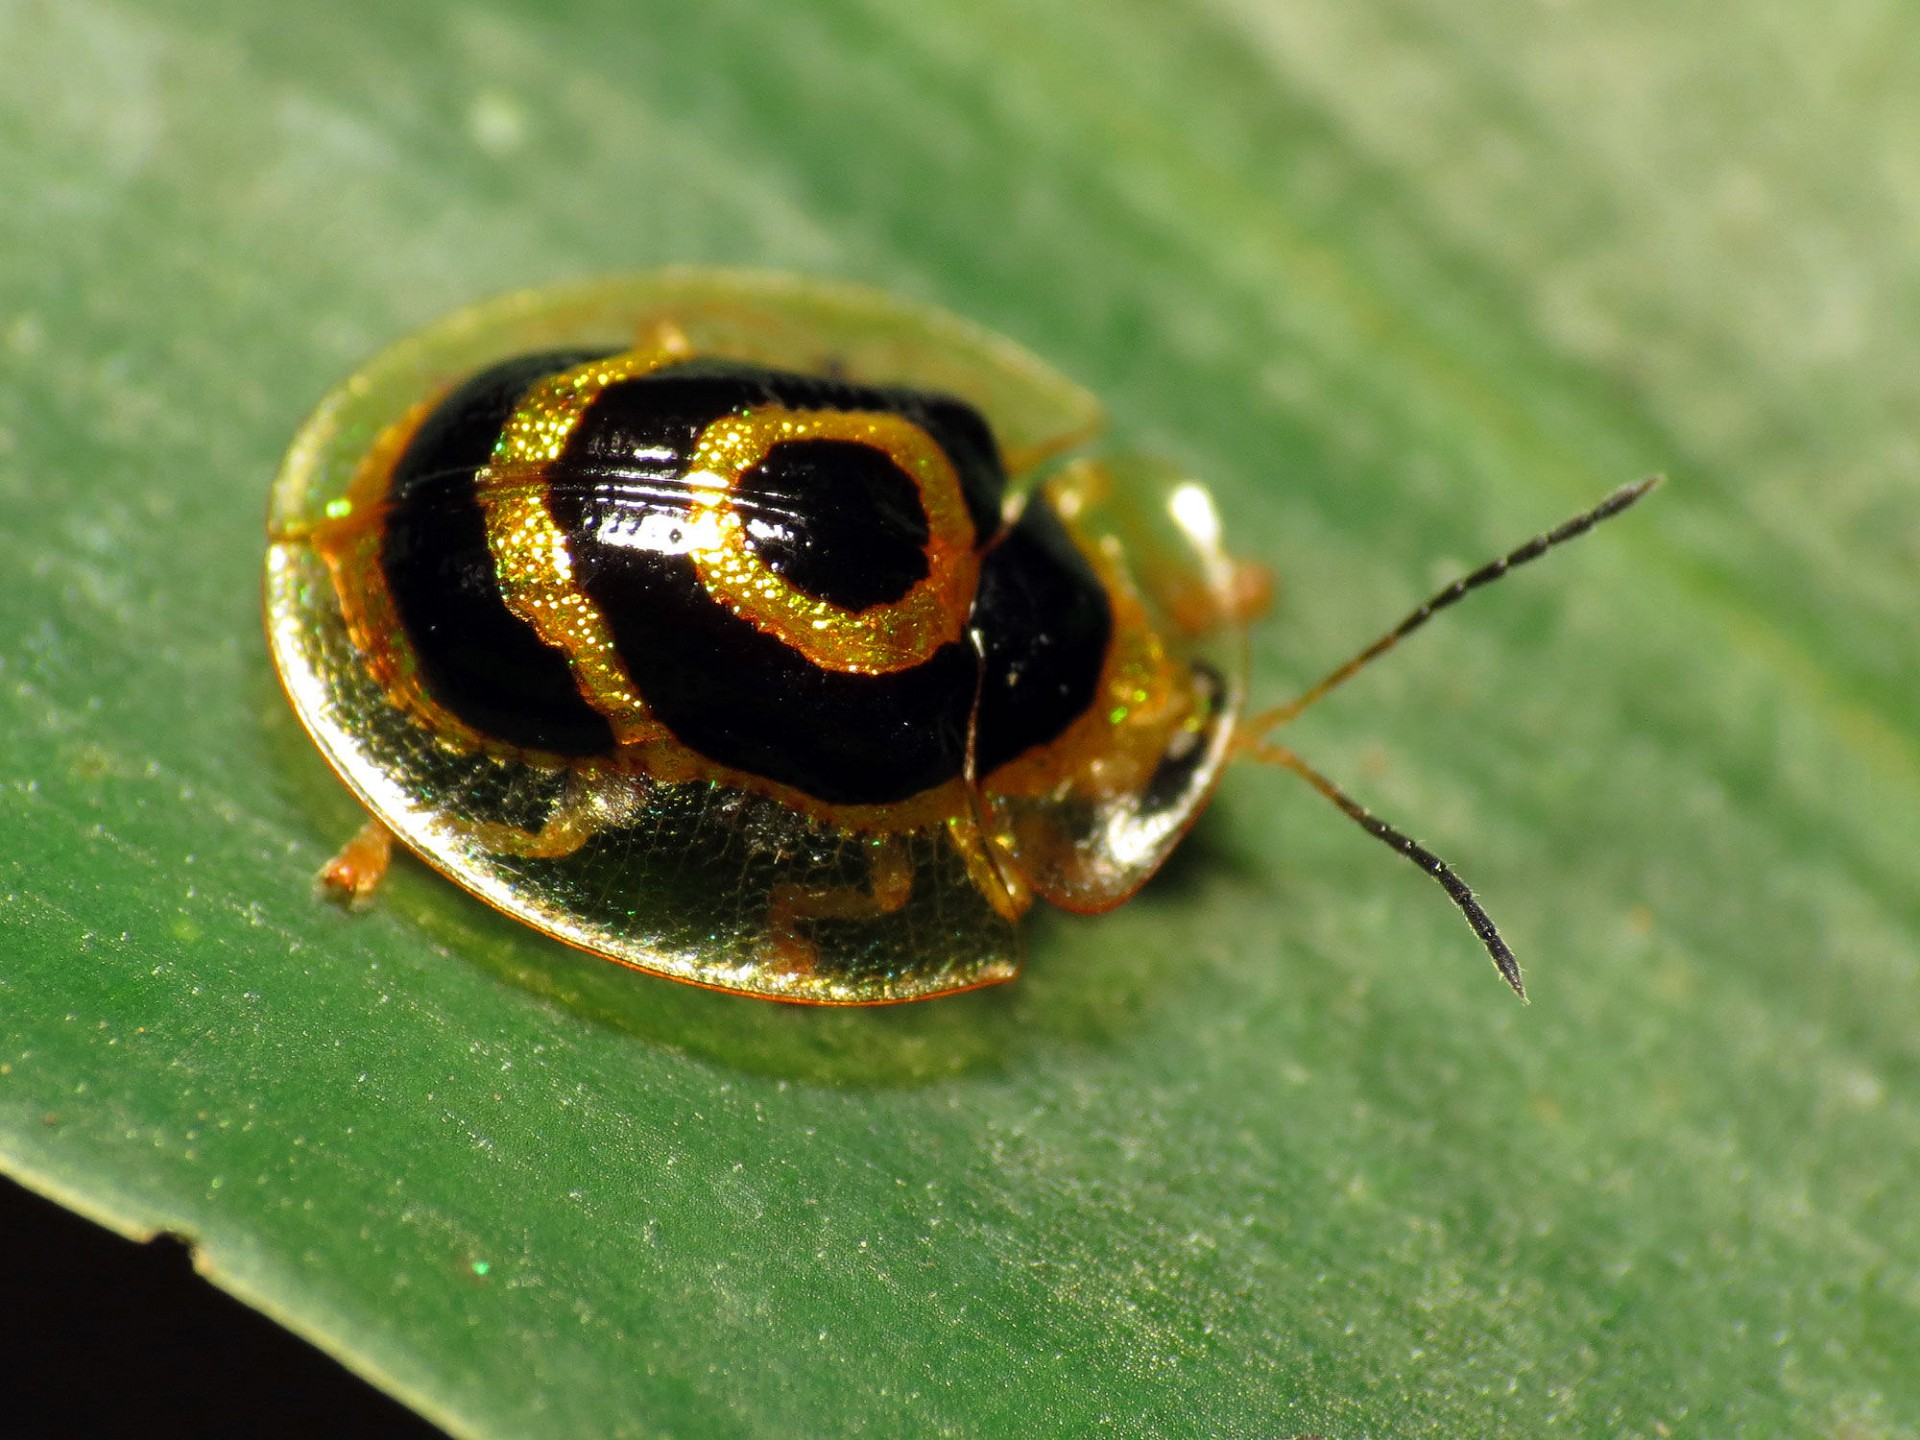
(1270, 1151)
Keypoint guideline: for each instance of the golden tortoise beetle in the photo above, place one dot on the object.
(766, 633)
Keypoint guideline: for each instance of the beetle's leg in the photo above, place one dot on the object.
(1241, 596)
(355, 873)
(665, 335)
(1001, 885)
(592, 801)
(790, 907)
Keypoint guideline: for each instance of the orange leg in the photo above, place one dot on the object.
(592, 802)
(998, 881)
(790, 907)
(355, 873)
(1202, 609)
(1250, 592)
(662, 334)
(565, 831)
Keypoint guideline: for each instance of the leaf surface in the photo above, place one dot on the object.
(1268, 1151)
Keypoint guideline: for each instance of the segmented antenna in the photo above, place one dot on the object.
(1455, 887)
(1255, 745)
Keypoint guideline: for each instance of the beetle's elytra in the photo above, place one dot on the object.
(762, 633)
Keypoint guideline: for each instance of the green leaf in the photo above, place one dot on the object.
(1268, 1151)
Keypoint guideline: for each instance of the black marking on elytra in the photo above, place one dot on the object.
(667, 408)
(726, 689)
(836, 519)
(478, 660)
(1045, 624)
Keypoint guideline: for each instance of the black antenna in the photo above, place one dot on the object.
(1255, 745)
(1455, 887)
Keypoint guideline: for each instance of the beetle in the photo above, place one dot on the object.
(769, 634)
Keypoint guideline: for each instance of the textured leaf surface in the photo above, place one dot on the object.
(1269, 1151)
